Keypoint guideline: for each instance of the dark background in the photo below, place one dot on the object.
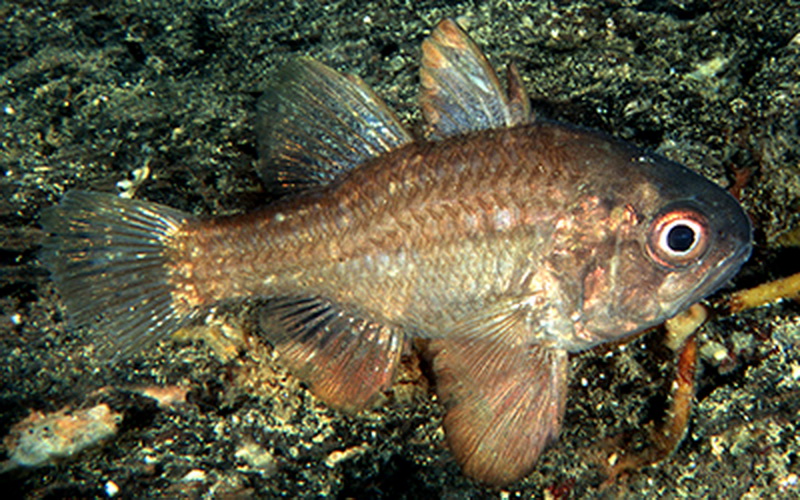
(92, 91)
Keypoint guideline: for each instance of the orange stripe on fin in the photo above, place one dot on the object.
(460, 90)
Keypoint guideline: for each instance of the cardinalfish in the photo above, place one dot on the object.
(505, 240)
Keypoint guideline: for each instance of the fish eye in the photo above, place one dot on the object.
(678, 237)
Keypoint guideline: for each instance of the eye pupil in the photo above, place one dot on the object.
(680, 238)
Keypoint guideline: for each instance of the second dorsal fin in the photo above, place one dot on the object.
(460, 90)
(316, 123)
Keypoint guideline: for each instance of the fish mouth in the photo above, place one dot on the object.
(717, 277)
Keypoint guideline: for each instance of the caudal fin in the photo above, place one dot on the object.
(111, 260)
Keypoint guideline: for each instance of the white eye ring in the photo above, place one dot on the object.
(665, 236)
(677, 250)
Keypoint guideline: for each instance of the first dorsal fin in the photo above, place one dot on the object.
(316, 123)
(460, 90)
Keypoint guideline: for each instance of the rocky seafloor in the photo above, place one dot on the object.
(158, 98)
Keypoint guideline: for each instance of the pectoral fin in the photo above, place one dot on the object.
(504, 404)
(345, 360)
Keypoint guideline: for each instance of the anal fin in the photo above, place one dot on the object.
(345, 360)
(504, 404)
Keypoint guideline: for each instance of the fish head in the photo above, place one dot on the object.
(665, 238)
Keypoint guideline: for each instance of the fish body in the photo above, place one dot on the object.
(506, 240)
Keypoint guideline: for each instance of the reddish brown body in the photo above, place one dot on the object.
(505, 240)
(425, 236)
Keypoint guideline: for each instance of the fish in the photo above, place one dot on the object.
(497, 243)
